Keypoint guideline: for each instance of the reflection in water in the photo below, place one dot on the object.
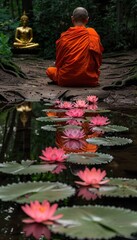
(36, 230)
(74, 145)
(24, 109)
(17, 139)
(60, 167)
(87, 193)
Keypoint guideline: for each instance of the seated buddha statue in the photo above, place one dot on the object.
(24, 35)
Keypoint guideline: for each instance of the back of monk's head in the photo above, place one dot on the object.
(80, 14)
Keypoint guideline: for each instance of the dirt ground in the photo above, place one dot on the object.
(116, 67)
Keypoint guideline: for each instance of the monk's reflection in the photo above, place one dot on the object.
(74, 145)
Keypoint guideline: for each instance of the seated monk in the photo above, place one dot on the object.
(78, 54)
(24, 35)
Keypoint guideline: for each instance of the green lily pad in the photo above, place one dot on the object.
(54, 110)
(69, 127)
(89, 158)
(26, 167)
(97, 111)
(30, 191)
(109, 141)
(53, 119)
(96, 222)
(49, 104)
(51, 128)
(119, 187)
(110, 128)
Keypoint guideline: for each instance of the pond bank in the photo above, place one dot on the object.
(116, 68)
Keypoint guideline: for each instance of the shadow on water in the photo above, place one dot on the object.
(22, 138)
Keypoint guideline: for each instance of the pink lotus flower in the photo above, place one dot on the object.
(53, 154)
(80, 104)
(92, 107)
(73, 144)
(66, 105)
(92, 177)
(41, 213)
(73, 134)
(37, 230)
(92, 99)
(57, 102)
(75, 112)
(99, 121)
(74, 122)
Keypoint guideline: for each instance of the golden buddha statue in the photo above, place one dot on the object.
(24, 35)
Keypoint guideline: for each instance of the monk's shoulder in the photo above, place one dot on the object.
(92, 31)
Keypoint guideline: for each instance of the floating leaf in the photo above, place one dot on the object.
(49, 128)
(97, 111)
(110, 128)
(54, 110)
(89, 158)
(49, 104)
(69, 127)
(52, 119)
(26, 167)
(96, 222)
(31, 191)
(119, 187)
(109, 141)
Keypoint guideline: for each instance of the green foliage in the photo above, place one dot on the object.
(7, 24)
(5, 50)
(114, 20)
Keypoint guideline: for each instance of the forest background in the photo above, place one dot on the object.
(114, 20)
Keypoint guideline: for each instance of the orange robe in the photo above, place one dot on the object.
(78, 58)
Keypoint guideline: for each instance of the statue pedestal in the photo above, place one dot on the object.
(26, 50)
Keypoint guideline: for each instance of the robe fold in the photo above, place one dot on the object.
(78, 58)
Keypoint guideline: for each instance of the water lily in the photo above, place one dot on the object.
(73, 134)
(92, 177)
(41, 212)
(92, 99)
(98, 121)
(53, 154)
(37, 230)
(77, 112)
(57, 102)
(80, 104)
(66, 105)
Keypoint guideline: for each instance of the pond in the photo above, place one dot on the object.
(92, 212)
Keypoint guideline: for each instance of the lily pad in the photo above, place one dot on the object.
(109, 141)
(51, 128)
(97, 111)
(69, 127)
(110, 128)
(53, 119)
(49, 104)
(89, 158)
(54, 110)
(30, 191)
(119, 187)
(96, 222)
(26, 167)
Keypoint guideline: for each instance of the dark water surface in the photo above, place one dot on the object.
(21, 138)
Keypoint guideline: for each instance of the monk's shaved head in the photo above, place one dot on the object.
(80, 14)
